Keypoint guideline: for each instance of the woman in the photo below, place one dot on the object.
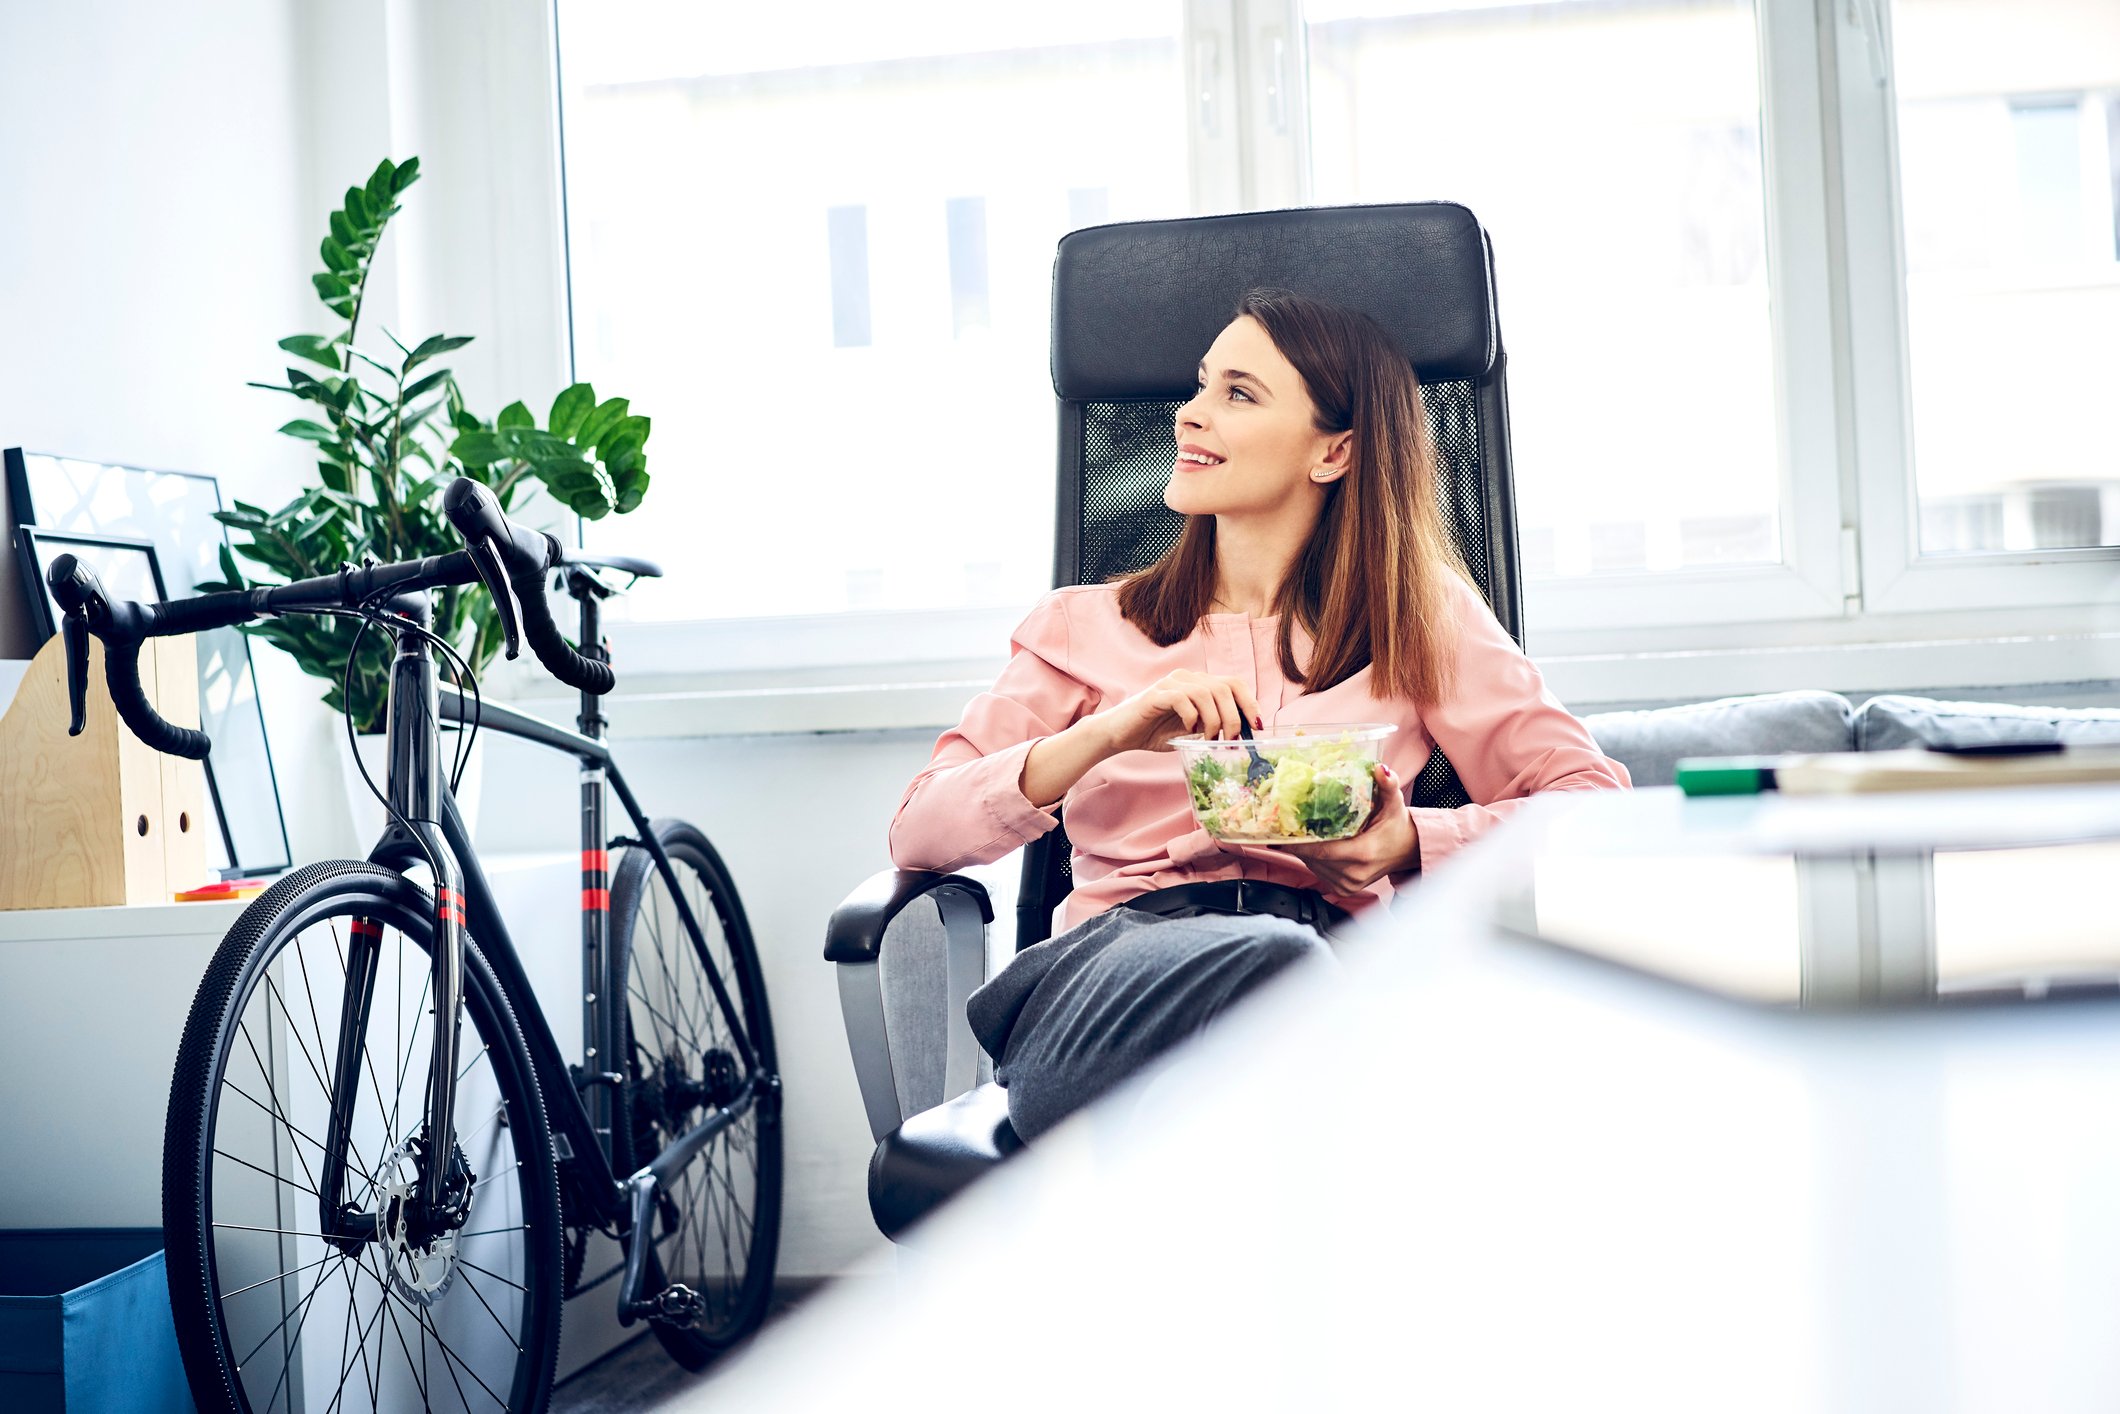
(1314, 582)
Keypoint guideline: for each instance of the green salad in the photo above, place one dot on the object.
(1319, 790)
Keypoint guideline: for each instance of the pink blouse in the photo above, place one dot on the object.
(1130, 818)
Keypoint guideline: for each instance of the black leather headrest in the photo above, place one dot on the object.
(1136, 305)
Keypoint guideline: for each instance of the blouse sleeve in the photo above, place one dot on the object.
(1507, 735)
(968, 806)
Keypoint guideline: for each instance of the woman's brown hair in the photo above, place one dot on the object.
(1373, 587)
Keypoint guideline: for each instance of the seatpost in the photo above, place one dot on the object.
(601, 1070)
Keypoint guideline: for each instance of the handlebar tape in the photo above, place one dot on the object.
(121, 668)
(576, 671)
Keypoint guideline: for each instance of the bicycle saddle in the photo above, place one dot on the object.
(624, 564)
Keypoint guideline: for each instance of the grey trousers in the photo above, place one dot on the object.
(1071, 1017)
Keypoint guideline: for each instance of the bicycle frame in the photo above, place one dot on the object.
(581, 1123)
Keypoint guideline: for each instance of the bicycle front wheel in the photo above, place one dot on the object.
(278, 1303)
(717, 1226)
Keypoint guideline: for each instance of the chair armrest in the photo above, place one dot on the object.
(855, 933)
(854, 941)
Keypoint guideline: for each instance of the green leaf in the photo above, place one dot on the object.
(424, 386)
(417, 418)
(570, 408)
(628, 431)
(337, 257)
(408, 172)
(515, 415)
(331, 285)
(433, 346)
(337, 476)
(382, 184)
(605, 417)
(374, 362)
(309, 431)
(342, 231)
(479, 448)
(343, 308)
(241, 520)
(358, 210)
(314, 347)
(632, 487)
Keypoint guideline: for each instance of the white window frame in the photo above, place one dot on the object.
(1852, 606)
(1896, 579)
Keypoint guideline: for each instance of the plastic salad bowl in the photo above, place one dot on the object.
(1321, 785)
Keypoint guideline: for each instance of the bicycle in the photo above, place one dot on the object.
(421, 1211)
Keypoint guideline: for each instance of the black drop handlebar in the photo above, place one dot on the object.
(508, 559)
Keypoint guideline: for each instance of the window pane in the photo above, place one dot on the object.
(1612, 150)
(2009, 178)
(814, 242)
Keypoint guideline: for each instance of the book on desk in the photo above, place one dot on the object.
(1915, 768)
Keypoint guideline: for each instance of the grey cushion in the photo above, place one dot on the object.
(1651, 743)
(1893, 721)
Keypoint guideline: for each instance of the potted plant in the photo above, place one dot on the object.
(391, 430)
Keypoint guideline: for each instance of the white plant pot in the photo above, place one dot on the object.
(366, 812)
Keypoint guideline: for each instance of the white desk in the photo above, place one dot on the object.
(1474, 1173)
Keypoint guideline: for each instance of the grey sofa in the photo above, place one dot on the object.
(1651, 743)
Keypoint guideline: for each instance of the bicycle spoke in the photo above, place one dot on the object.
(496, 1174)
(419, 1009)
(426, 1329)
(418, 1382)
(290, 1316)
(450, 1355)
(280, 1276)
(467, 1262)
(472, 1287)
(275, 1177)
(266, 1071)
(284, 1232)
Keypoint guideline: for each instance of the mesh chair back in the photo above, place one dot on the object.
(1134, 306)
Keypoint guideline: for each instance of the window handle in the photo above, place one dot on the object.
(1863, 15)
(1207, 78)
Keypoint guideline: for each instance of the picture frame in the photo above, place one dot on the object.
(173, 511)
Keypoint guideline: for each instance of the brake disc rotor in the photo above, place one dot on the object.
(422, 1275)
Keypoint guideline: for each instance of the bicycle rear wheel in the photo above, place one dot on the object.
(717, 1228)
(274, 1309)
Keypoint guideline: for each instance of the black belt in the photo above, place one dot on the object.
(1243, 896)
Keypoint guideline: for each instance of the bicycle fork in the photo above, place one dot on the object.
(416, 775)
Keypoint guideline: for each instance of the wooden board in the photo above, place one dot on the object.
(94, 819)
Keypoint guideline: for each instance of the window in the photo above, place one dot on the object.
(813, 241)
(848, 231)
(1613, 153)
(1984, 364)
(2006, 182)
(1811, 309)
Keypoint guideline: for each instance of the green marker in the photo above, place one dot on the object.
(1726, 775)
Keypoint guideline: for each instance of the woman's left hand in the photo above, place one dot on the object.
(1386, 844)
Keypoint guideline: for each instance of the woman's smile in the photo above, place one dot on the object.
(1194, 458)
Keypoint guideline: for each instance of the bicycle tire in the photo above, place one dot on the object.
(642, 1124)
(270, 931)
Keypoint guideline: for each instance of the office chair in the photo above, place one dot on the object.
(1134, 307)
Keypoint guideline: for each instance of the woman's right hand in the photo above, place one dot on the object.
(1184, 704)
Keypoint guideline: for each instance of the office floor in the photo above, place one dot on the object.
(638, 1377)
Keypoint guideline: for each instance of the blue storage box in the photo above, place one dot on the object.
(85, 1325)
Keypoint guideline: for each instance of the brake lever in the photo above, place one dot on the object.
(77, 592)
(73, 627)
(486, 559)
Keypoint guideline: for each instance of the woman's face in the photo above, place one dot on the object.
(1248, 441)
